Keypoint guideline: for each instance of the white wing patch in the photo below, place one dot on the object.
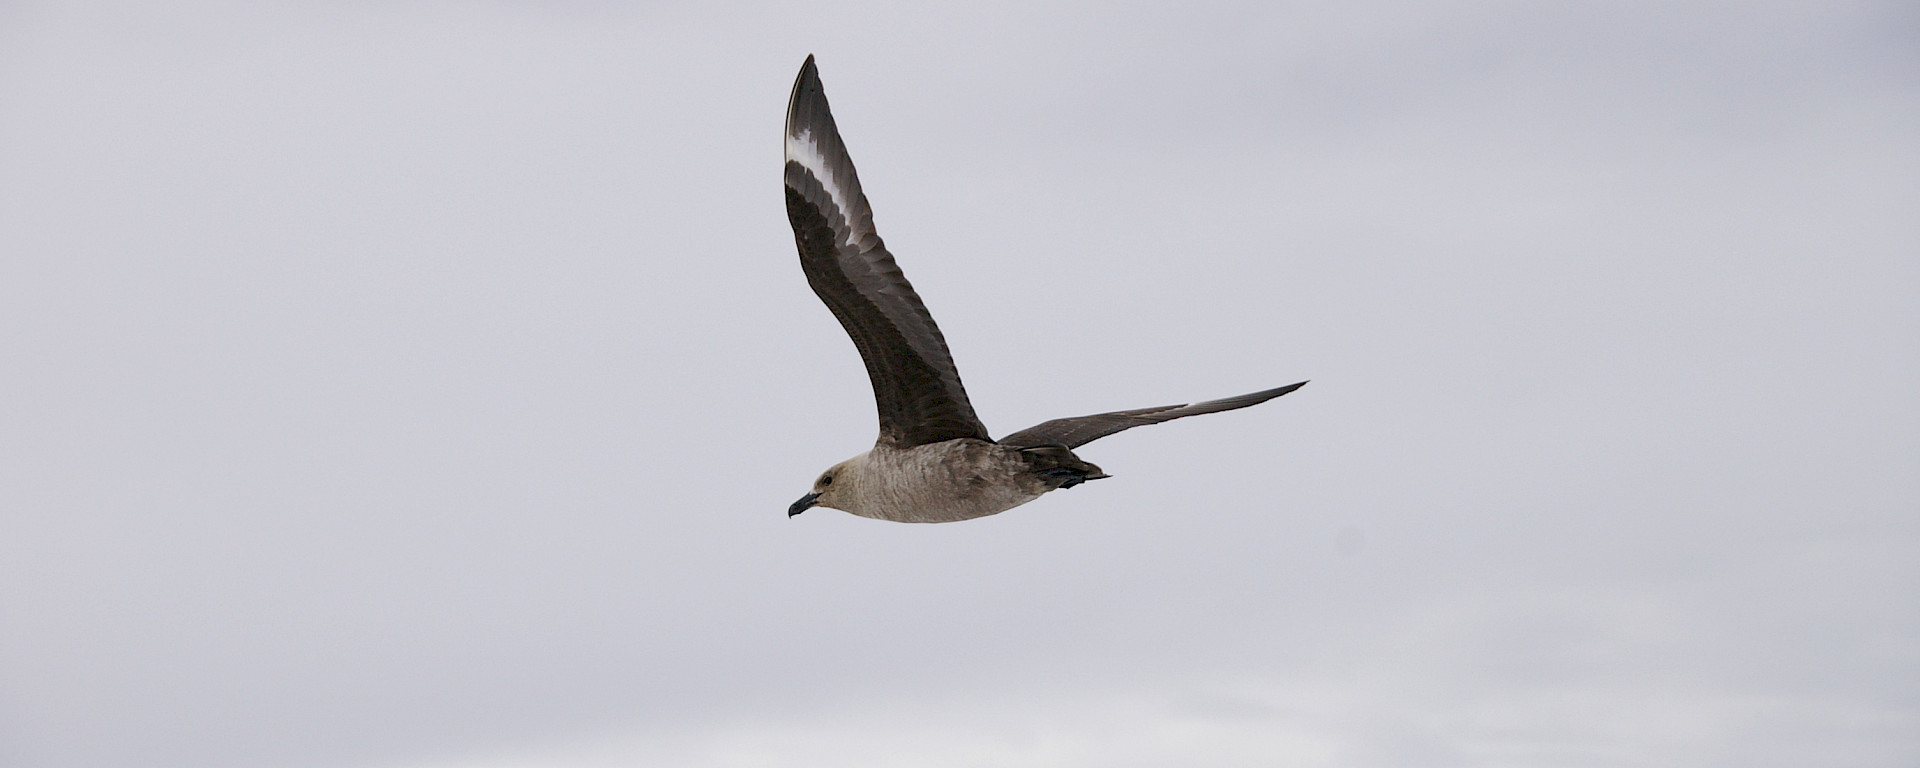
(804, 150)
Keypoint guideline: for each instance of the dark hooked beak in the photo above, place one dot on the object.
(805, 503)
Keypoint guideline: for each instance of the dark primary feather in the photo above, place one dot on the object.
(1076, 431)
(915, 384)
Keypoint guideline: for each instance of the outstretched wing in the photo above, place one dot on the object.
(1079, 430)
(915, 384)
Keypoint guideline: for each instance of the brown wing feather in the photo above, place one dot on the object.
(916, 386)
(1076, 431)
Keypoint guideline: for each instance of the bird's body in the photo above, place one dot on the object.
(941, 482)
(934, 461)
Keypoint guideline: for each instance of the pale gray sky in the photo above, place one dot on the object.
(422, 385)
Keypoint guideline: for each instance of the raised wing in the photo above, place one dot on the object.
(1079, 430)
(915, 384)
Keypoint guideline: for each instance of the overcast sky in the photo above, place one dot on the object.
(423, 385)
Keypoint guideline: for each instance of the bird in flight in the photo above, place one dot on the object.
(934, 461)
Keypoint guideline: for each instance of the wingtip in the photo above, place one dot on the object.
(809, 77)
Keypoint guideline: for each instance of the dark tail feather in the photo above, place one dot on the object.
(1059, 467)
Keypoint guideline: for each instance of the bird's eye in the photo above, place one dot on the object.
(826, 479)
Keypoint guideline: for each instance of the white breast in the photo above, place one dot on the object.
(942, 482)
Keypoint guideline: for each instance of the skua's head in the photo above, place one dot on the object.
(831, 489)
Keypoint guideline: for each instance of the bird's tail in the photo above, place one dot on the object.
(1058, 466)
